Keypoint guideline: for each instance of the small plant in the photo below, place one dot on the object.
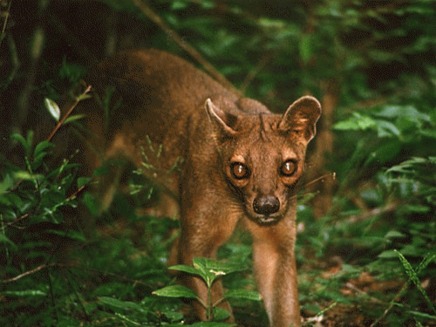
(209, 271)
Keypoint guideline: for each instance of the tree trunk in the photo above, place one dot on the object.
(322, 153)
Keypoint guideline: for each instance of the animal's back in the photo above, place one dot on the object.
(159, 85)
(154, 99)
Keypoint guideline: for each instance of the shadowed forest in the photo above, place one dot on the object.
(366, 209)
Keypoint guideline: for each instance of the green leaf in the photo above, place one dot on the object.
(243, 294)
(26, 176)
(25, 293)
(429, 258)
(16, 137)
(53, 108)
(91, 204)
(423, 315)
(355, 123)
(187, 269)
(178, 5)
(82, 181)
(83, 96)
(394, 234)
(177, 291)
(71, 234)
(409, 112)
(171, 314)
(220, 314)
(388, 254)
(4, 239)
(40, 153)
(73, 118)
(26, 143)
(210, 269)
(430, 133)
(410, 166)
(219, 267)
(386, 129)
(42, 147)
(414, 278)
(119, 304)
(6, 184)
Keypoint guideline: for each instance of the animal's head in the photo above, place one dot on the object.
(262, 155)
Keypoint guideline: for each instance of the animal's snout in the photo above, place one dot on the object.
(266, 204)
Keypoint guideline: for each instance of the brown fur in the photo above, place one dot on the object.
(172, 113)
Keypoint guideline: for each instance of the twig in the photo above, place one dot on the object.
(358, 290)
(22, 217)
(321, 179)
(69, 266)
(155, 18)
(15, 63)
(374, 212)
(68, 113)
(252, 74)
(77, 192)
(5, 23)
(27, 273)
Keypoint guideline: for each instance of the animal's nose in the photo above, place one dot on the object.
(266, 204)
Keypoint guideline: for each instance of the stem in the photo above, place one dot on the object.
(209, 309)
(70, 110)
(5, 22)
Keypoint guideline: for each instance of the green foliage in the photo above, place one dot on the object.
(33, 198)
(209, 271)
(40, 285)
(33, 190)
(383, 210)
(413, 275)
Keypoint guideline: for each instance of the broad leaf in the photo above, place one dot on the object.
(53, 108)
(243, 294)
(177, 291)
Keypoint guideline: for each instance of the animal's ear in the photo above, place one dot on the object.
(301, 117)
(220, 119)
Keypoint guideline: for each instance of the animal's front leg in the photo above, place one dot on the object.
(276, 272)
(203, 232)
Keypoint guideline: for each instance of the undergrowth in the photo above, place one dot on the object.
(54, 273)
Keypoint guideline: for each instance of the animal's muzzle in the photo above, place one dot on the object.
(266, 205)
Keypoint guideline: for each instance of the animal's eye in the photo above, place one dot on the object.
(288, 168)
(239, 170)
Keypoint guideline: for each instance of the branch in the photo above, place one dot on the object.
(15, 63)
(374, 212)
(6, 14)
(68, 113)
(252, 74)
(155, 18)
(27, 273)
(68, 266)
